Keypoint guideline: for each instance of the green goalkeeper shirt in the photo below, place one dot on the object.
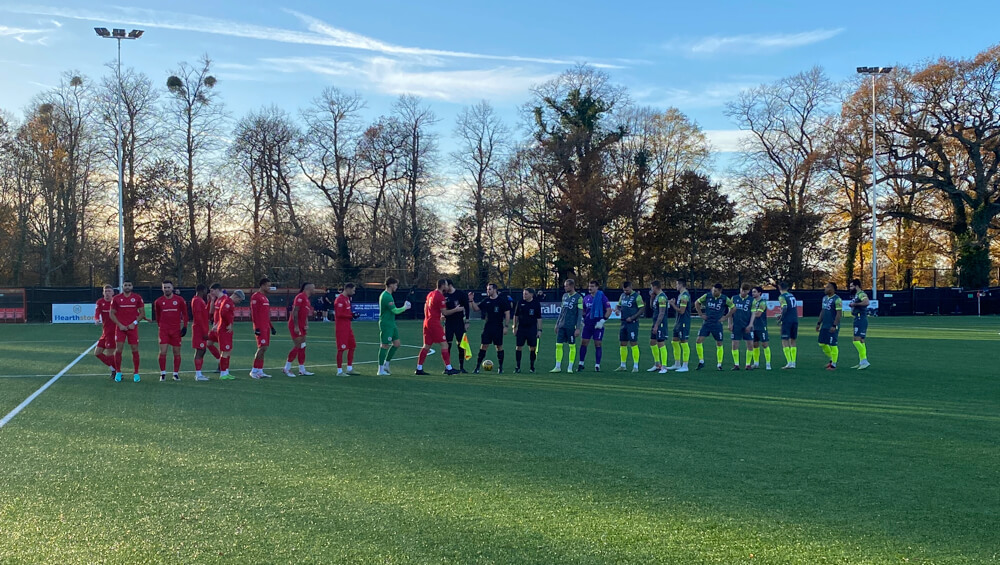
(387, 310)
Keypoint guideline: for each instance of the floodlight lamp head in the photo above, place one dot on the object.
(885, 70)
(118, 33)
(135, 34)
(102, 31)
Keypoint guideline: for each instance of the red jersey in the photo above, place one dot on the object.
(342, 312)
(224, 312)
(305, 310)
(171, 313)
(433, 307)
(260, 311)
(199, 313)
(103, 312)
(127, 307)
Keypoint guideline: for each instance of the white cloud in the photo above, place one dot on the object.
(710, 95)
(319, 32)
(752, 43)
(392, 76)
(24, 35)
(725, 140)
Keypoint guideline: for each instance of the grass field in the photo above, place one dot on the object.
(897, 464)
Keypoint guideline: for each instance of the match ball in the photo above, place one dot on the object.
(487, 365)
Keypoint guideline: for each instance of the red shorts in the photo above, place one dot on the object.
(107, 339)
(345, 339)
(199, 340)
(433, 334)
(223, 338)
(130, 335)
(264, 339)
(294, 330)
(170, 337)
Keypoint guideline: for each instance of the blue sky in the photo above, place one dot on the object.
(695, 55)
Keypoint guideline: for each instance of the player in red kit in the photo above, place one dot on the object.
(127, 309)
(171, 314)
(298, 325)
(434, 309)
(201, 327)
(105, 350)
(225, 310)
(260, 315)
(343, 315)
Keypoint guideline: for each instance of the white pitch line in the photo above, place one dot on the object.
(34, 395)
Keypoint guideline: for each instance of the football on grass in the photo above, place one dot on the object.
(487, 365)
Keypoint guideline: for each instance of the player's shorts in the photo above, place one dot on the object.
(107, 339)
(345, 339)
(566, 335)
(659, 333)
(224, 339)
(713, 329)
(492, 336)
(454, 331)
(130, 335)
(827, 338)
(629, 332)
(789, 330)
(761, 335)
(527, 338)
(434, 333)
(199, 340)
(740, 335)
(591, 332)
(861, 327)
(682, 330)
(387, 334)
(170, 337)
(264, 339)
(293, 329)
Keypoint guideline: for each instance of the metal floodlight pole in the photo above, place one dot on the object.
(119, 35)
(874, 72)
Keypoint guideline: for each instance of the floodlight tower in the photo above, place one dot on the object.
(119, 35)
(874, 72)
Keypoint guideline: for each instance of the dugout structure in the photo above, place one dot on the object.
(13, 306)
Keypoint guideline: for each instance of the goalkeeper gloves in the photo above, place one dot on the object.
(600, 324)
(273, 331)
(184, 331)
(256, 332)
(355, 315)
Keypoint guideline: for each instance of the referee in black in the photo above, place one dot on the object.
(527, 327)
(456, 325)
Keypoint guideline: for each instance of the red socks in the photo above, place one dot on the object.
(302, 356)
(350, 357)
(118, 362)
(422, 356)
(199, 362)
(225, 363)
(293, 354)
(177, 363)
(214, 351)
(135, 360)
(107, 360)
(446, 356)
(258, 364)
(340, 358)
(163, 362)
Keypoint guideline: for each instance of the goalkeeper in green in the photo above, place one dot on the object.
(388, 332)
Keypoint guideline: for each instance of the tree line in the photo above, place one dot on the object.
(587, 184)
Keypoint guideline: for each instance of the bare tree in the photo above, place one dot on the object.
(416, 119)
(782, 160)
(482, 140)
(198, 116)
(331, 156)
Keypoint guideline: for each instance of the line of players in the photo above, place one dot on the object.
(211, 320)
(446, 323)
(584, 317)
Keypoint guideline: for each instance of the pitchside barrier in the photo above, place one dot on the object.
(76, 304)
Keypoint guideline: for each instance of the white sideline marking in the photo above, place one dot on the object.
(34, 395)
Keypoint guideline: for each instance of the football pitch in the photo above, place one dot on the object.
(896, 464)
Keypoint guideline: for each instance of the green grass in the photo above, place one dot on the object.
(897, 464)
